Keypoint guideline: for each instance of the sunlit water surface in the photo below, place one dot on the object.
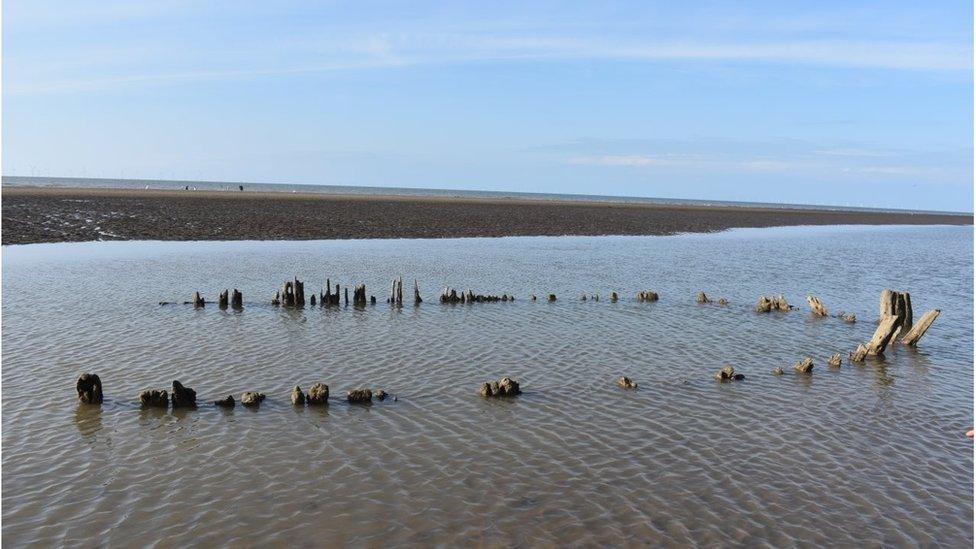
(864, 454)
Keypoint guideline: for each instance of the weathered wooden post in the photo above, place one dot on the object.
(222, 300)
(416, 293)
(89, 388)
(816, 307)
(287, 295)
(702, 298)
(919, 329)
(299, 287)
(198, 300)
(183, 397)
(613, 297)
(894, 310)
(647, 296)
(237, 300)
(311, 300)
(347, 296)
(552, 297)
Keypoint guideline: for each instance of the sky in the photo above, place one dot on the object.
(841, 103)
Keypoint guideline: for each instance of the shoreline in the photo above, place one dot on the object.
(77, 214)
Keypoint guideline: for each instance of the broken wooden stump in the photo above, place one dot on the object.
(647, 296)
(318, 394)
(359, 396)
(766, 304)
(197, 300)
(222, 300)
(919, 329)
(884, 334)
(329, 298)
(613, 297)
(702, 298)
(626, 383)
(804, 366)
(816, 306)
(292, 294)
(777, 371)
(359, 296)
(225, 403)
(857, 355)
(89, 388)
(506, 386)
(849, 318)
(183, 397)
(416, 293)
(450, 295)
(297, 396)
(252, 398)
(728, 374)
(382, 395)
(154, 398)
(552, 297)
(396, 292)
(722, 301)
(834, 360)
(236, 300)
(311, 300)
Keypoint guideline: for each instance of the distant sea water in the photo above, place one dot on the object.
(160, 184)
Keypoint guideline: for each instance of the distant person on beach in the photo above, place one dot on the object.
(241, 187)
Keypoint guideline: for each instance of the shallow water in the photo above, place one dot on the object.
(865, 454)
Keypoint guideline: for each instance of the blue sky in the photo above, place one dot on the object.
(847, 103)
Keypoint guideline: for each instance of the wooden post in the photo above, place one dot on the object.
(416, 293)
(198, 300)
(613, 297)
(299, 289)
(311, 300)
(89, 388)
(222, 300)
(237, 300)
(816, 307)
(883, 335)
(702, 298)
(919, 329)
(287, 295)
(347, 296)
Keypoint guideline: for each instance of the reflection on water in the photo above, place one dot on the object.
(88, 420)
(865, 454)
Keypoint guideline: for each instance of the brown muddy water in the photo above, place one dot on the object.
(861, 455)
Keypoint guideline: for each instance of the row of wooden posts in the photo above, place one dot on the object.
(894, 319)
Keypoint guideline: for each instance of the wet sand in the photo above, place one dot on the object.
(38, 214)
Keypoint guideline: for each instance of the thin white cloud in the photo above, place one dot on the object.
(376, 51)
(734, 163)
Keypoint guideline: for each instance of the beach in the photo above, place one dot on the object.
(59, 214)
